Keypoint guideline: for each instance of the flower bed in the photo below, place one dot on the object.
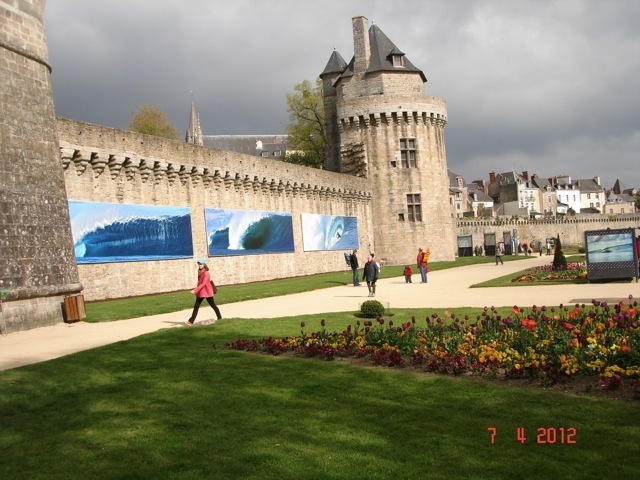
(551, 344)
(574, 271)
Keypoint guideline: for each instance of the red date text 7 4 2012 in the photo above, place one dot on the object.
(542, 436)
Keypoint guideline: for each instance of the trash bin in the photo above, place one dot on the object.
(74, 308)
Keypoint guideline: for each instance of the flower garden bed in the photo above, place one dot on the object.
(598, 342)
(545, 273)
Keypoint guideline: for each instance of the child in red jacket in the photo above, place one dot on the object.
(407, 274)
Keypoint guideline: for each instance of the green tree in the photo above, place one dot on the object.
(151, 120)
(306, 124)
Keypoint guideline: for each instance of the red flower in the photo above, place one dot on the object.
(567, 325)
(530, 325)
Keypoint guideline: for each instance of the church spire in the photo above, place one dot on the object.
(194, 133)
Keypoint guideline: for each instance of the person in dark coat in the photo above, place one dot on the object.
(371, 271)
(353, 262)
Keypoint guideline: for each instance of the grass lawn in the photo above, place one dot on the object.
(171, 302)
(168, 405)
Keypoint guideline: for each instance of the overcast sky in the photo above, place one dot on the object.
(551, 87)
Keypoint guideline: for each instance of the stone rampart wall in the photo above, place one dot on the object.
(571, 230)
(107, 165)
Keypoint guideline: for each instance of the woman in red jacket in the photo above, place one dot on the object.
(202, 291)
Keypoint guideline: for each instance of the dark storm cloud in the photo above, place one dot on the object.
(549, 87)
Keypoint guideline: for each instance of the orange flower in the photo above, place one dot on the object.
(625, 348)
(567, 325)
(530, 325)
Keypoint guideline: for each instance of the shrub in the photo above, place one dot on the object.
(581, 250)
(559, 260)
(372, 309)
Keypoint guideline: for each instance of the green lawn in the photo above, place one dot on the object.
(168, 405)
(175, 404)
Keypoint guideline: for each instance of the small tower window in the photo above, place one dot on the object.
(408, 152)
(397, 60)
(414, 207)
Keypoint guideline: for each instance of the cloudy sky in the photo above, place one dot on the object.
(551, 87)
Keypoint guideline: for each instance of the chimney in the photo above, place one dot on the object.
(597, 180)
(525, 174)
(361, 46)
(492, 177)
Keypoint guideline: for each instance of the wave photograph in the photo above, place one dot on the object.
(104, 232)
(329, 232)
(246, 232)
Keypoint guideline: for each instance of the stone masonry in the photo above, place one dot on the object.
(37, 264)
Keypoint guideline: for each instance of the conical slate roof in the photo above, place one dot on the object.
(382, 50)
(619, 187)
(335, 65)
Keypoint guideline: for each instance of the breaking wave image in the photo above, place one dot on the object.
(108, 233)
(241, 232)
(329, 232)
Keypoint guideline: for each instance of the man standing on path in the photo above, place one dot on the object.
(422, 265)
(499, 253)
(353, 261)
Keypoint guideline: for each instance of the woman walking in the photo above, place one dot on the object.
(204, 290)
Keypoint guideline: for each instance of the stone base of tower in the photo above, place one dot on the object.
(39, 312)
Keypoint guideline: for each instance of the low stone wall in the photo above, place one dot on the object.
(570, 230)
(113, 166)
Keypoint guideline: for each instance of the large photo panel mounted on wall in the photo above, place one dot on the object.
(248, 232)
(611, 254)
(113, 232)
(329, 232)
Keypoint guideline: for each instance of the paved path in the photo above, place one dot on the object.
(446, 288)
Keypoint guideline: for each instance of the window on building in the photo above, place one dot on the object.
(622, 210)
(591, 204)
(401, 217)
(588, 195)
(414, 208)
(277, 153)
(265, 154)
(408, 152)
(397, 60)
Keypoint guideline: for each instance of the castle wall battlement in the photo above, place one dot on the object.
(103, 164)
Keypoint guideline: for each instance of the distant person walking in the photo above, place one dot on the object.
(499, 253)
(407, 274)
(548, 247)
(204, 290)
(353, 262)
(371, 272)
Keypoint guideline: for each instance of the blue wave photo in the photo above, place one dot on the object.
(329, 232)
(110, 232)
(248, 232)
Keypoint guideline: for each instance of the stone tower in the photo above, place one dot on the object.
(381, 126)
(37, 262)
